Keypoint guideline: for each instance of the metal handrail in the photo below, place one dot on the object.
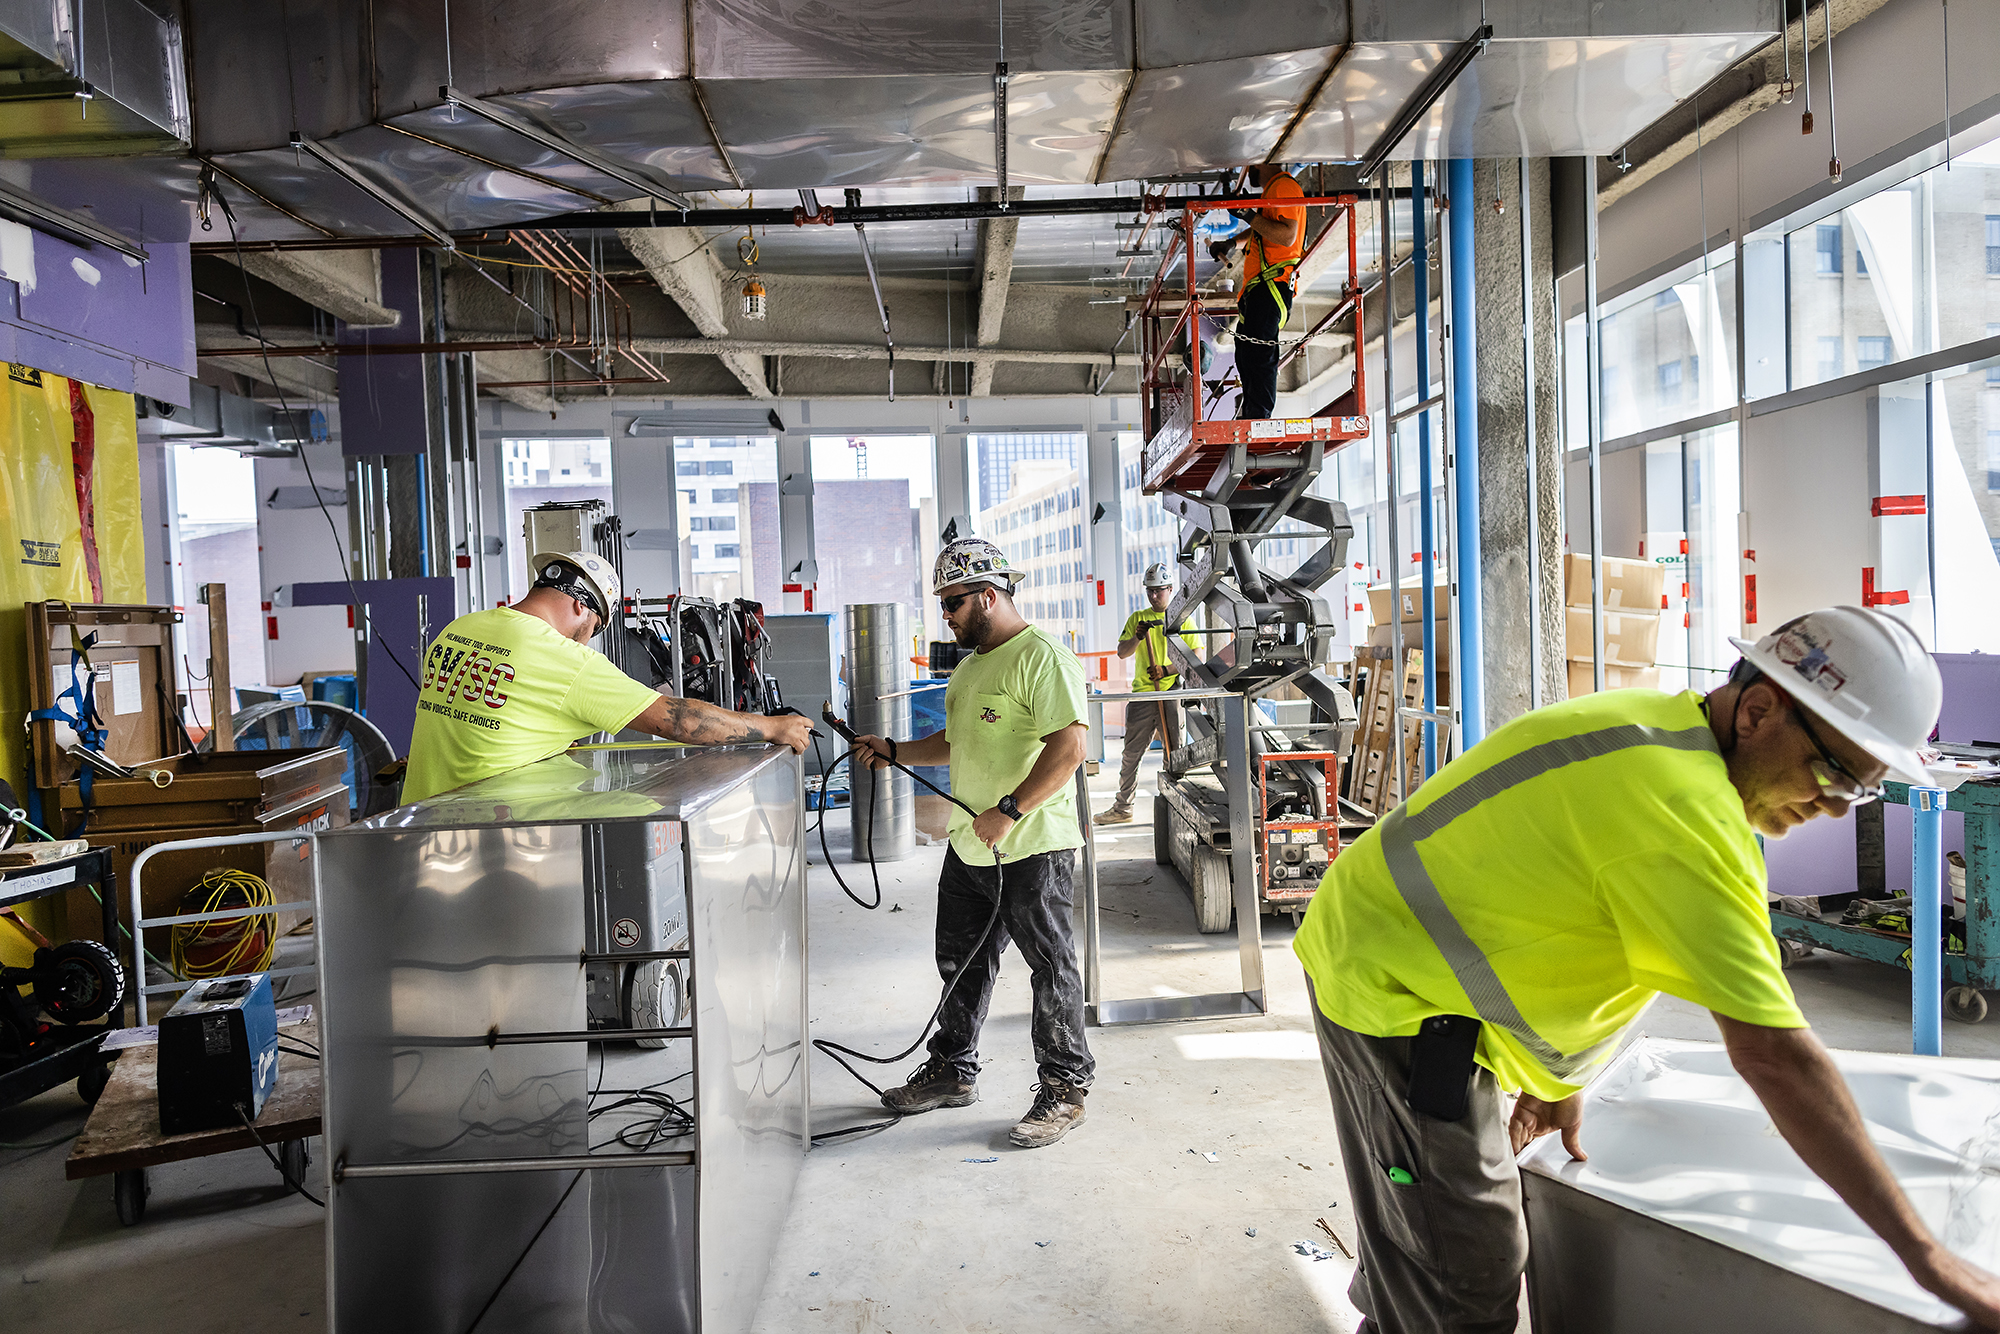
(140, 921)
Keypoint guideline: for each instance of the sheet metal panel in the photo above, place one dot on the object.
(511, 46)
(1681, 1151)
(822, 133)
(652, 124)
(428, 937)
(1192, 32)
(1222, 113)
(769, 39)
(466, 913)
(454, 189)
(258, 69)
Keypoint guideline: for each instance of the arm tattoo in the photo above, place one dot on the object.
(700, 724)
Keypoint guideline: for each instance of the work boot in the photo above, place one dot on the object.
(1058, 1106)
(933, 1084)
(1115, 815)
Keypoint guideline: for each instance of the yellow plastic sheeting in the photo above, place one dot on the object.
(43, 553)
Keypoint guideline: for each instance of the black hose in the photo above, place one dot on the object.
(835, 1049)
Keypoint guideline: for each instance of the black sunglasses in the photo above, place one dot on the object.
(951, 604)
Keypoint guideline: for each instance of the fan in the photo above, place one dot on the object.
(282, 724)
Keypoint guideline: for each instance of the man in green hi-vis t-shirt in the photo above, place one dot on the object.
(1144, 638)
(1013, 736)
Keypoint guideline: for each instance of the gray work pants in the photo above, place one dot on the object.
(1443, 1254)
(1142, 720)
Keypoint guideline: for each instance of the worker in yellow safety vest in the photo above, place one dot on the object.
(1498, 930)
(1271, 250)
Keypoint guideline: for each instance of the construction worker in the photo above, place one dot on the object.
(509, 686)
(1013, 736)
(1499, 929)
(1271, 250)
(1145, 636)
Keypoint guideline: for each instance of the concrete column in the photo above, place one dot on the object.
(1505, 507)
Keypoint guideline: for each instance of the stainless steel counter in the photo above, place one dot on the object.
(477, 1180)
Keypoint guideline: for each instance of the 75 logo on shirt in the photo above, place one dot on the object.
(989, 715)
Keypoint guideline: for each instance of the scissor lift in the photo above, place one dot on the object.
(1231, 483)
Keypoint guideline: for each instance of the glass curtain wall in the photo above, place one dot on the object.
(1029, 490)
(536, 472)
(729, 506)
(875, 527)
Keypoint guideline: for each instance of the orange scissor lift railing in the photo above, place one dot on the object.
(1232, 485)
(1183, 443)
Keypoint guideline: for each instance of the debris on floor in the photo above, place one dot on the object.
(1334, 1237)
(1203, 1153)
(1312, 1250)
(1249, 1231)
(1041, 1243)
(986, 1160)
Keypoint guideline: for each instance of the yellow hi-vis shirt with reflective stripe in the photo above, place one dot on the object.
(1550, 881)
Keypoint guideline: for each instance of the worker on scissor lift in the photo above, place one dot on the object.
(1144, 636)
(1500, 929)
(1013, 736)
(511, 685)
(1271, 250)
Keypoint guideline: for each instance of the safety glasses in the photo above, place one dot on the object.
(1834, 779)
(951, 604)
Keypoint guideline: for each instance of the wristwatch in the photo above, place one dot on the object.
(1009, 807)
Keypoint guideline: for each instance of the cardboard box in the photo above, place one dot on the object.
(1413, 602)
(1631, 638)
(1615, 678)
(1629, 585)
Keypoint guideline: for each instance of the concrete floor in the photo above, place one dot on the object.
(1125, 1225)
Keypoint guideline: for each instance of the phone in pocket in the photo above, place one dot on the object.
(1441, 1066)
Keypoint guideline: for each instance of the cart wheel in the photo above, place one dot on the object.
(1792, 952)
(1163, 831)
(129, 1192)
(294, 1159)
(1211, 890)
(90, 1084)
(1965, 1004)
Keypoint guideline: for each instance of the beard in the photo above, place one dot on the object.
(973, 627)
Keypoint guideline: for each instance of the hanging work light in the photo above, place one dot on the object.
(754, 299)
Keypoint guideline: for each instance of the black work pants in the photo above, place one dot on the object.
(1035, 915)
(1257, 348)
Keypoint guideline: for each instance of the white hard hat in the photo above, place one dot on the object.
(1864, 674)
(583, 575)
(974, 560)
(1159, 575)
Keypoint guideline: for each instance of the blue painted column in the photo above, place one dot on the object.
(1926, 934)
(1464, 404)
(1420, 265)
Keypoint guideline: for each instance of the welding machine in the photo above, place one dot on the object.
(218, 1052)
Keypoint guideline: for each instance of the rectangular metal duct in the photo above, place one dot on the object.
(123, 55)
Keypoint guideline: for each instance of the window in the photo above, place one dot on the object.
(728, 551)
(1670, 382)
(1993, 245)
(687, 468)
(722, 523)
(722, 495)
(1829, 357)
(1827, 245)
(1993, 460)
(1870, 351)
(697, 524)
(1993, 372)
(720, 467)
(1860, 263)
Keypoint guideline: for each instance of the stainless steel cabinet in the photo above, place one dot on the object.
(501, 1158)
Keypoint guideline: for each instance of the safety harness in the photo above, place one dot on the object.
(1270, 275)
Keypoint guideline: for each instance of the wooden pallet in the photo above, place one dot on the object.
(1372, 785)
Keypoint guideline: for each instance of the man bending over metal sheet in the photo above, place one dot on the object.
(512, 685)
(1498, 930)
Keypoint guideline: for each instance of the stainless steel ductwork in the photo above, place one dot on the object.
(878, 664)
(782, 94)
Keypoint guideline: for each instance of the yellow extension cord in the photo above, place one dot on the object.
(246, 944)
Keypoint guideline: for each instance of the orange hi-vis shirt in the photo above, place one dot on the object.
(1259, 254)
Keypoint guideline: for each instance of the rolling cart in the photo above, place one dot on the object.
(74, 984)
(1970, 974)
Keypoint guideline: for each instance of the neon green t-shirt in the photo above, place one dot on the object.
(1586, 855)
(502, 689)
(1152, 650)
(1000, 704)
